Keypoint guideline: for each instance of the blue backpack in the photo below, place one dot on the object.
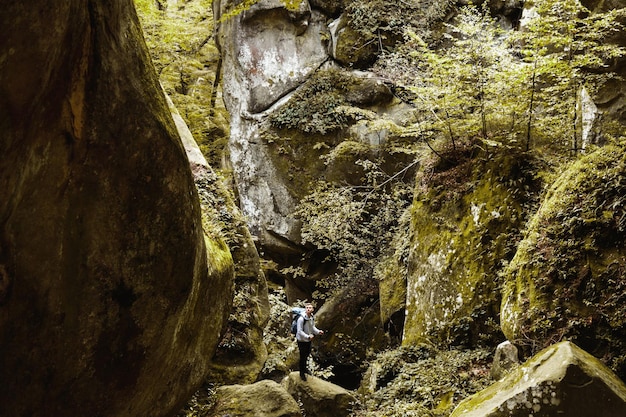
(296, 312)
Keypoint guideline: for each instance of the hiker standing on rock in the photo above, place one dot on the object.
(306, 332)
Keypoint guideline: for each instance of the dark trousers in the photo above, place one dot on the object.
(305, 351)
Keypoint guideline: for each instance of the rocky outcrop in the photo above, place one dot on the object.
(346, 341)
(274, 53)
(112, 296)
(561, 380)
(318, 397)
(465, 221)
(262, 399)
(567, 276)
(267, 52)
(241, 352)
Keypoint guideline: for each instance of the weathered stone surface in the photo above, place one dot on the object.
(460, 235)
(267, 52)
(351, 48)
(368, 90)
(241, 352)
(329, 7)
(351, 321)
(109, 307)
(261, 399)
(197, 161)
(320, 398)
(505, 359)
(561, 380)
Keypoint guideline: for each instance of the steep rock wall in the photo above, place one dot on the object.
(567, 278)
(267, 52)
(466, 221)
(111, 297)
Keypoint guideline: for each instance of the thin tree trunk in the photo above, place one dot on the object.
(530, 107)
(216, 83)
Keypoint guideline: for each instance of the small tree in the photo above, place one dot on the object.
(565, 47)
(354, 224)
(459, 92)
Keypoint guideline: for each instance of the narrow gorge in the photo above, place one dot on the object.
(444, 180)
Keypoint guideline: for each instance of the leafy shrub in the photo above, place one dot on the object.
(423, 382)
(355, 225)
(313, 108)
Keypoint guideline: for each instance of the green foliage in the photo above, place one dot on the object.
(422, 382)
(186, 59)
(317, 106)
(457, 86)
(354, 224)
(389, 18)
(476, 81)
(568, 278)
(563, 49)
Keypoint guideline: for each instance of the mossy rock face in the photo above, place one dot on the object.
(351, 322)
(352, 48)
(560, 380)
(465, 222)
(568, 276)
(111, 296)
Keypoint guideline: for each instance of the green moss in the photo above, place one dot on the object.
(420, 381)
(298, 158)
(186, 59)
(219, 257)
(466, 220)
(292, 5)
(567, 278)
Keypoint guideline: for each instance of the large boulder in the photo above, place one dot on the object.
(318, 397)
(241, 353)
(262, 399)
(111, 296)
(561, 380)
(568, 277)
(352, 326)
(466, 219)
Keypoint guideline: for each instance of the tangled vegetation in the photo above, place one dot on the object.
(317, 106)
(519, 95)
(180, 41)
(354, 224)
(422, 382)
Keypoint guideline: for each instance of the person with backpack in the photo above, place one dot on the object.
(305, 332)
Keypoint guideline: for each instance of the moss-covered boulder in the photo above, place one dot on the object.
(466, 220)
(241, 352)
(320, 398)
(351, 47)
(351, 321)
(111, 296)
(261, 399)
(568, 277)
(561, 380)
